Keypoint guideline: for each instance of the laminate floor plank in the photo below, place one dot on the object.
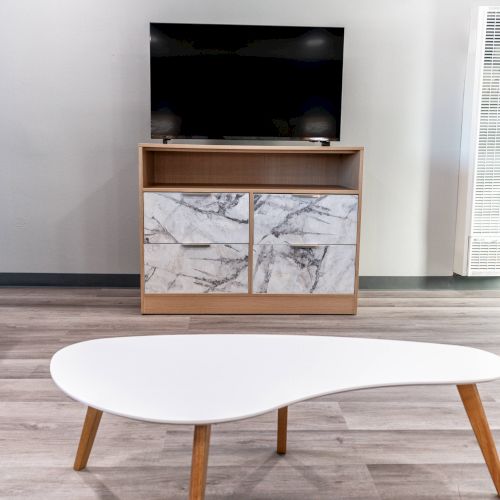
(432, 481)
(411, 443)
(150, 482)
(412, 416)
(23, 368)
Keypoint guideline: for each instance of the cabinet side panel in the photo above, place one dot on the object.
(141, 184)
(360, 168)
(348, 171)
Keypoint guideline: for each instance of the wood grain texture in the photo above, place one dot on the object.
(144, 179)
(228, 148)
(216, 303)
(216, 168)
(89, 431)
(411, 443)
(261, 188)
(199, 462)
(475, 411)
(246, 166)
(356, 164)
(350, 173)
(282, 430)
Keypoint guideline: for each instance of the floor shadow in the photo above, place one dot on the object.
(97, 485)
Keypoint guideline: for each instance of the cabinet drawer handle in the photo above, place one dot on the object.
(196, 194)
(306, 245)
(195, 244)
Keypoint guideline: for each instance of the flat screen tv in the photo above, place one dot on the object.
(232, 81)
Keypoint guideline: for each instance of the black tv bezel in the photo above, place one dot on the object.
(322, 140)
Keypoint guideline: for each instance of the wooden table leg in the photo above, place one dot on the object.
(201, 444)
(90, 426)
(475, 411)
(282, 430)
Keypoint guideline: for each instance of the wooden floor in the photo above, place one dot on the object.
(396, 443)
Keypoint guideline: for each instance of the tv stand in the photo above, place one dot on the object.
(249, 229)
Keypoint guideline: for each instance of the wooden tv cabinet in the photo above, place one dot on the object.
(249, 229)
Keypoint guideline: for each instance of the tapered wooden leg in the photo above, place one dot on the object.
(475, 411)
(201, 444)
(282, 430)
(89, 431)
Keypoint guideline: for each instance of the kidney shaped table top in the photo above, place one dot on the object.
(205, 379)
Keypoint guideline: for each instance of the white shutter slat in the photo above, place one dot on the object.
(484, 241)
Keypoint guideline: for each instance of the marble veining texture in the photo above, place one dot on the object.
(288, 218)
(286, 269)
(184, 269)
(196, 218)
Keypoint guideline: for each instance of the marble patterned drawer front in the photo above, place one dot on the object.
(196, 217)
(289, 218)
(195, 269)
(319, 269)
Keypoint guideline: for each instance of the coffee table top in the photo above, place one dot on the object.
(203, 379)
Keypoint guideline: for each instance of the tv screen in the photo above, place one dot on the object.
(230, 81)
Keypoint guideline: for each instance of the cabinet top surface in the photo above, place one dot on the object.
(201, 379)
(250, 149)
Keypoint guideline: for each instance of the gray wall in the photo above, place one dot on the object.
(74, 95)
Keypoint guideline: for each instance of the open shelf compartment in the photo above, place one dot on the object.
(261, 169)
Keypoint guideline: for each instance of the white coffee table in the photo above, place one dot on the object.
(207, 379)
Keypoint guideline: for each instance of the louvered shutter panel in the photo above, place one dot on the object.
(483, 257)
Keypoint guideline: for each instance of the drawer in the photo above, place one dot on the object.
(292, 218)
(196, 217)
(195, 269)
(295, 269)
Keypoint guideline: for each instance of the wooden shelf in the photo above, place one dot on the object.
(287, 167)
(214, 148)
(257, 188)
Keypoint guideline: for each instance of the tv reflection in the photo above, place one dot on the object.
(315, 122)
(164, 122)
